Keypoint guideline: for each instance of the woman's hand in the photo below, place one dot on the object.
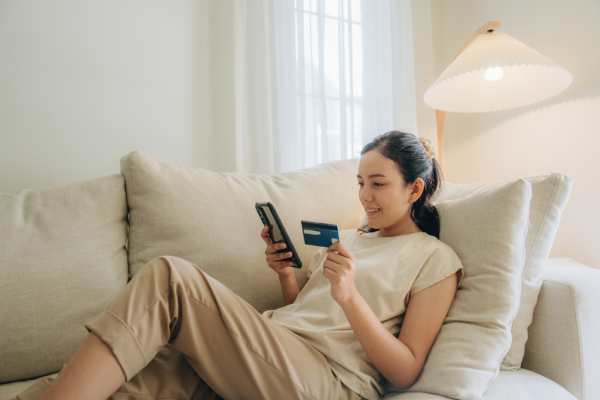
(339, 269)
(278, 262)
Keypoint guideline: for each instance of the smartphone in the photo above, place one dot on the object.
(268, 215)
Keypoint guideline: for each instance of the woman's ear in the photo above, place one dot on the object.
(418, 186)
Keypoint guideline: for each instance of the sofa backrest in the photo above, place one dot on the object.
(62, 259)
(209, 218)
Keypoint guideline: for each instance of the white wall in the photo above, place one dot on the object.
(84, 82)
(425, 67)
(558, 135)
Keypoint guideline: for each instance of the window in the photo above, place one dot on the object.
(328, 42)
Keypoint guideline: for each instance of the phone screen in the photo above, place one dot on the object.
(277, 236)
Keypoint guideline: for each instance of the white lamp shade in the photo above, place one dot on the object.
(496, 72)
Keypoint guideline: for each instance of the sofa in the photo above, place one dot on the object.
(67, 251)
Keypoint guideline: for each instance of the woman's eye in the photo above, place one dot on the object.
(374, 184)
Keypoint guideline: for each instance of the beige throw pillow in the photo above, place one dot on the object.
(62, 259)
(549, 195)
(209, 217)
(487, 230)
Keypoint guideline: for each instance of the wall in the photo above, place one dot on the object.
(557, 135)
(84, 82)
(424, 65)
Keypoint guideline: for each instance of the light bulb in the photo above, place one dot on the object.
(493, 73)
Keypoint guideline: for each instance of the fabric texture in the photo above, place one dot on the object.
(387, 270)
(549, 195)
(62, 258)
(210, 218)
(487, 230)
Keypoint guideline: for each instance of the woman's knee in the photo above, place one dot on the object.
(156, 264)
(172, 266)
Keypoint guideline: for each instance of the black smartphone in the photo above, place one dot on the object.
(268, 215)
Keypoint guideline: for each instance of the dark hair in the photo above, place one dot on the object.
(413, 161)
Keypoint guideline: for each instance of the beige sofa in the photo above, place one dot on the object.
(66, 252)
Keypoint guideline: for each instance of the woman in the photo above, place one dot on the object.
(370, 310)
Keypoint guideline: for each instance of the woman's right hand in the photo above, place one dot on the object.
(281, 263)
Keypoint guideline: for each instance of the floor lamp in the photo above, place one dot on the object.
(492, 72)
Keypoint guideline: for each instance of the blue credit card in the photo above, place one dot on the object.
(319, 233)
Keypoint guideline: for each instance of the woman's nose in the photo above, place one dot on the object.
(365, 195)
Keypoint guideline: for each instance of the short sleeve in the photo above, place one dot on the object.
(315, 261)
(442, 263)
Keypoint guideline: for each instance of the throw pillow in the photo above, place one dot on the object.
(487, 230)
(549, 195)
(62, 259)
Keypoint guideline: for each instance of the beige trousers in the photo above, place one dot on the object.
(179, 333)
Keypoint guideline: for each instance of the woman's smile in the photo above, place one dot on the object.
(373, 212)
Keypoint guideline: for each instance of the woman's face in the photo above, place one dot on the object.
(382, 187)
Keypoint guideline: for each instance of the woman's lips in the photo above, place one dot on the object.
(372, 214)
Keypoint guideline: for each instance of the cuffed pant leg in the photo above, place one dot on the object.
(167, 377)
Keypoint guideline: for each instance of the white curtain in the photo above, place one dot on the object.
(312, 80)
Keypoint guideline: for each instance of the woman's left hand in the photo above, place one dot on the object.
(338, 268)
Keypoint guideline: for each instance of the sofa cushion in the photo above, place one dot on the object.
(563, 338)
(487, 230)
(62, 259)
(521, 385)
(209, 217)
(549, 194)
(8, 391)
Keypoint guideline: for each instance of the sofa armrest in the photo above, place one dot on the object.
(564, 338)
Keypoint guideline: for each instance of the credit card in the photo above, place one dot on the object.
(319, 233)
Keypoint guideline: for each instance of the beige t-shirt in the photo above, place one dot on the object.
(387, 271)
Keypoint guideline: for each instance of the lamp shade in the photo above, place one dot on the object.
(496, 72)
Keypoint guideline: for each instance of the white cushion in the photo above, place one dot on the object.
(519, 385)
(62, 259)
(563, 338)
(487, 230)
(548, 198)
(209, 217)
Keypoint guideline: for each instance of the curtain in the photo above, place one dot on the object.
(311, 81)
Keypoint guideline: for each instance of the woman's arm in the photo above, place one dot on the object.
(289, 287)
(289, 283)
(281, 264)
(401, 359)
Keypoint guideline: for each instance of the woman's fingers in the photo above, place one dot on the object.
(273, 248)
(282, 264)
(265, 234)
(275, 260)
(274, 257)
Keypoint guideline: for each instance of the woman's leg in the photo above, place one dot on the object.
(92, 373)
(167, 376)
(234, 349)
